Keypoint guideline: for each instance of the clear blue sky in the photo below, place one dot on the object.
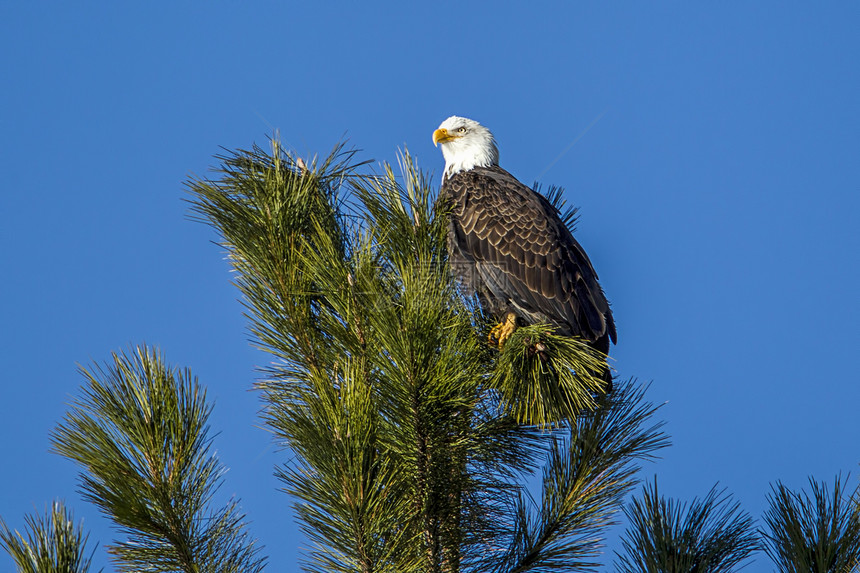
(719, 196)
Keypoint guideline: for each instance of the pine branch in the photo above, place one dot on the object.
(545, 379)
(712, 535)
(351, 497)
(268, 208)
(584, 482)
(140, 434)
(51, 543)
(817, 532)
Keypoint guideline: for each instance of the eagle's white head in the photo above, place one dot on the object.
(465, 144)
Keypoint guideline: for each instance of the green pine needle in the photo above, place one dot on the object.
(813, 533)
(585, 479)
(711, 535)
(51, 543)
(139, 432)
(545, 379)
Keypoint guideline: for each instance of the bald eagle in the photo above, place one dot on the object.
(509, 245)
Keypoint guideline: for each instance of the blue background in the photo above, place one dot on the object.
(719, 192)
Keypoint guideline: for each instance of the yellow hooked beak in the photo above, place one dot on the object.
(441, 135)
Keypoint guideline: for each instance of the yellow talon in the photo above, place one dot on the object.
(503, 331)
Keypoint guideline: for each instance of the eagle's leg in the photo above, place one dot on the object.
(503, 331)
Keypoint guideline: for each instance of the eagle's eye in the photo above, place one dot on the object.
(462, 130)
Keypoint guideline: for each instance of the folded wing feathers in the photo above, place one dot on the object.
(527, 251)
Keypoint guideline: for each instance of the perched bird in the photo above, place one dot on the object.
(509, 245)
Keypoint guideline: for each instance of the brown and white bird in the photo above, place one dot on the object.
(510, 246)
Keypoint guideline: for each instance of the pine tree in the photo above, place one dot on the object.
(411, 437)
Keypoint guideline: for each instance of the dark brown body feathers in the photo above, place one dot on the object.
(508, 244)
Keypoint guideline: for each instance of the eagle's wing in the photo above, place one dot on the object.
(524, 253)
